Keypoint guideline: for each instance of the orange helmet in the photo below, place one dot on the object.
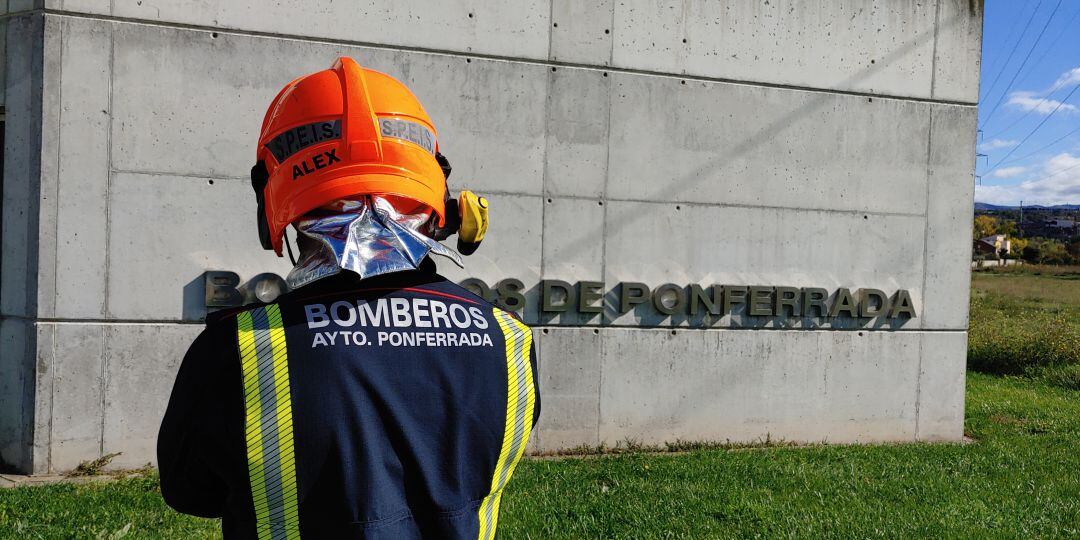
(339, 133)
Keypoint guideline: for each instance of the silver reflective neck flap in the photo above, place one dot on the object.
(366, 236)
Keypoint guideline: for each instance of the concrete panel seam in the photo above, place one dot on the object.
(611, 60)
(493, 57)
(918, 385)
(933, 81)
(603, 238)
(926, 221)
(37, 105)
(707, 204)
(56, 198)
(926, 250)
(129, 322)
(547, 145)
(551, 37)
(604, 213)
(52, 398)
(22, 13)
(173, 174)
(29, 413)
(108, 193)
(104, 385)
(600, 387)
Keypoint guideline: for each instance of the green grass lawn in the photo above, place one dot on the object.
(1026, 320)
(1020, 478)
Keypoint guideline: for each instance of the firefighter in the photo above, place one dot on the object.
(375, 399)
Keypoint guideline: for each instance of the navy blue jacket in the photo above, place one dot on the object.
(393, 407)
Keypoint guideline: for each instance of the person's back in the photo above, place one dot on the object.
(376, 399)
(394, 407)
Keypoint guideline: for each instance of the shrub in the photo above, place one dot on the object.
(1067, 376)
(1031, 254)
(1010, 337)
(1056, 271)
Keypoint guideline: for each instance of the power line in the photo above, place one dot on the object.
(1013, 51)
(1049, 94)
(1032, 132)
(1066, 169)
(1056, 87)
(1012, 32)
(1055, 141)
(1022, 64)
(1050, 47)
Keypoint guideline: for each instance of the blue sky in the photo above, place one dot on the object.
(1030, 76)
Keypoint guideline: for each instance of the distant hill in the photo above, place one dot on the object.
(985, 207)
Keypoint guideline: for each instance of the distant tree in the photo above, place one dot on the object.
(1006, 227)
(1018, 245)
(985, 226)
(1054, 252)
(1046, 251)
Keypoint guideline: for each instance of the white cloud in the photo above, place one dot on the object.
(1056, 182)
(1027, 101)
(1008, 172)
(1040, 102)
(1069, 77)
(996, 144)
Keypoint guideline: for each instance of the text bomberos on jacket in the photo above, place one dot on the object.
(397, 322)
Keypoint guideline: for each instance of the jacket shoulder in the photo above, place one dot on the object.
(227, 316)
(446, 286)
(443, 285)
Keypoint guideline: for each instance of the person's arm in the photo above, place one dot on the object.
(188, 483)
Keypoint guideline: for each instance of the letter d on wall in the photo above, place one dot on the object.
(548, 293)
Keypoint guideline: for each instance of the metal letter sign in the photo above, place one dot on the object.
(556, 297)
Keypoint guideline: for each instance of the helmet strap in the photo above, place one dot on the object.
(288, 246)
(259, 179)
(444, 164)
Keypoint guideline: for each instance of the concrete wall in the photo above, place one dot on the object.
(791, 143)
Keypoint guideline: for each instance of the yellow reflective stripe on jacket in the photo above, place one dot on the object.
(268, 422)
(520, 399)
